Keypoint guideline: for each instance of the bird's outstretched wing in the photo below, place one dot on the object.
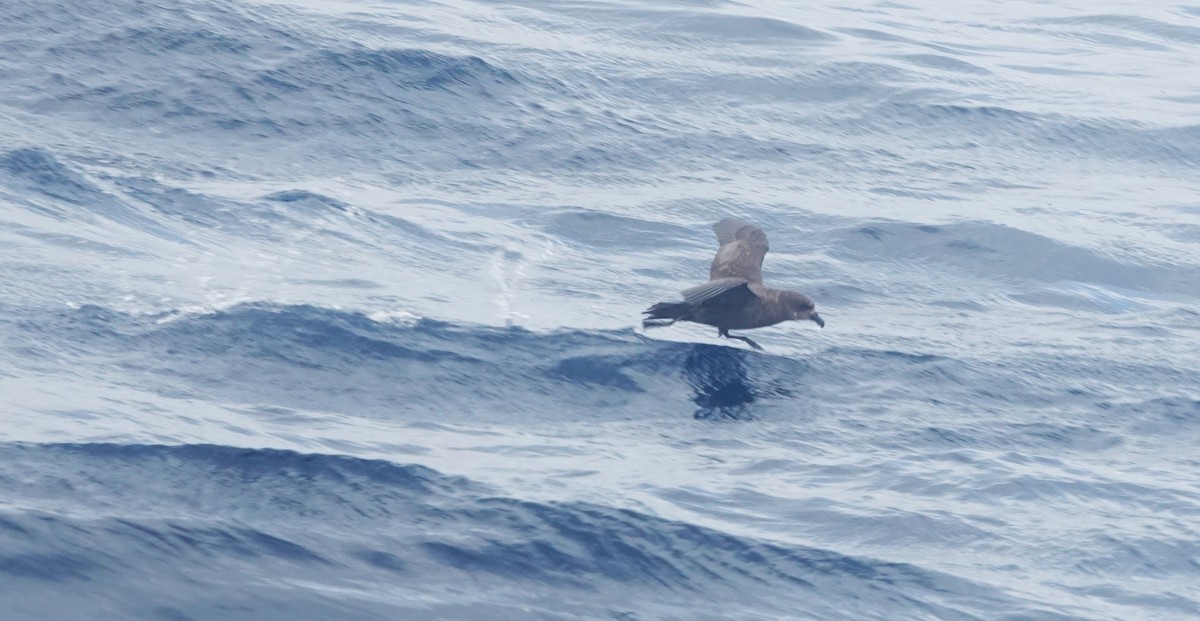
(743, 246)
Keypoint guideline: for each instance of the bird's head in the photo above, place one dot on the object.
(800, 307)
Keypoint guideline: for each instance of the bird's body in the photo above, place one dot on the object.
(735, 298)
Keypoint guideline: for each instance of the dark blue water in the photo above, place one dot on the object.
(330, 311)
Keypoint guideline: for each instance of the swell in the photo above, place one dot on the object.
(45, 185)
(311, 358)
(221, 75)
(323, 359)
(1000, 253)
(60, 188)
(199, 512)
(231, 74)
(995, 128)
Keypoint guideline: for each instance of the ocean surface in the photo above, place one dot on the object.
(317, 310)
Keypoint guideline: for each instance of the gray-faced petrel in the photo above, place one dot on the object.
(734, 298)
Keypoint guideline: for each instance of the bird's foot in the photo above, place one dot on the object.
(748, 340)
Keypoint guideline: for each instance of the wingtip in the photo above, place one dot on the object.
(728, 228)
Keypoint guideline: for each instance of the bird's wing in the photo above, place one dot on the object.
(743, 246)
(728, 287)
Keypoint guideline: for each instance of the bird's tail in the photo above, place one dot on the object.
(664, 314)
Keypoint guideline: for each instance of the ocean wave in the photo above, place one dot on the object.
(973, 127)
(202, 511)
(1163, 31)
(336, 361)
(392, 70)
(66, 194)
(711, 27)
(1000, 252)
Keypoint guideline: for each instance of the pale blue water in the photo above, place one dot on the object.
(316, 310)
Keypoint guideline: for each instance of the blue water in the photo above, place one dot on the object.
(329, 310)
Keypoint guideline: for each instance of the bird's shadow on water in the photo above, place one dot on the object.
(717, 374)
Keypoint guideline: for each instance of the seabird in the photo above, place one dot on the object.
(734, 298)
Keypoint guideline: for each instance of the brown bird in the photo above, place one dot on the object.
(734, 298)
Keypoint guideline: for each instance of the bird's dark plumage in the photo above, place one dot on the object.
(735, 298)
